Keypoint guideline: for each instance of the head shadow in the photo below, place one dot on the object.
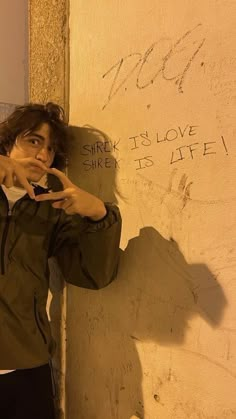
(92, 165)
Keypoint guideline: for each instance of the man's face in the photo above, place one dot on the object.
(37, 144)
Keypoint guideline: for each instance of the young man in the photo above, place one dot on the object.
(73, 226)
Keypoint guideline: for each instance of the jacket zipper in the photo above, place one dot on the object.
(37, 321)
(6, 228)
(4, 238)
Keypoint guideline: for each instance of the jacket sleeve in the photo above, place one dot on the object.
(87, 251)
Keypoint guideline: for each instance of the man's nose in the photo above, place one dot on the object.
(43, 154)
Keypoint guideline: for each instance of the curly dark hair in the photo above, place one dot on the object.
(29, 117)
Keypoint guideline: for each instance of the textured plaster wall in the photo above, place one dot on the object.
(156, 80)
(48, 72)
(48, 51)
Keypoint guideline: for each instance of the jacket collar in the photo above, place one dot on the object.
(38, 190)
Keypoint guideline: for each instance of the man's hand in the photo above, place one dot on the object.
(12, 171)
(74, 200)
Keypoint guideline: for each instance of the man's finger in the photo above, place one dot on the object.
(52, 196)
(31, 161)
(24, 182)
(61, 176)
(38, 163)
(8, 180)
(63, 204)
(58, 204)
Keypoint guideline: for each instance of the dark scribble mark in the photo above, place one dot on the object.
(156, 397)
(162, 189)
(183, 192)
(182, 183)
(207, 359)
(135, 338)
(184, 189)
(186, 196)
(124, 68)
(114, 89)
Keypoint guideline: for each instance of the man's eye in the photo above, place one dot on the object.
(34, 141)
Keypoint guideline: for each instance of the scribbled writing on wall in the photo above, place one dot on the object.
(171, 146)
(100, 155)
(170, 61)
(195, 147)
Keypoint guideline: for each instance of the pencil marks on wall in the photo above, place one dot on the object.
(167, 59)
(195, 148)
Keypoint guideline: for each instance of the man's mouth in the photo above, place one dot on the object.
(37, 169)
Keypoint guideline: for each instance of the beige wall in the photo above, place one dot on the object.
(160, 341)
(13, 51)
(13, 55)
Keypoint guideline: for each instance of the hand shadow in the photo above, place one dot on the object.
(154, 297)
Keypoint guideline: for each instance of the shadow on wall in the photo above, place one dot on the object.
(153, 298)
(92, 147)
(91, 163)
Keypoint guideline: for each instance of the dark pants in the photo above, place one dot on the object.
(27, 394)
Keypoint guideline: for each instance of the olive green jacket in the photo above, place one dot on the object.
(87, 253)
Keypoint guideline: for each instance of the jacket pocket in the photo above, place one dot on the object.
(36, 316)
